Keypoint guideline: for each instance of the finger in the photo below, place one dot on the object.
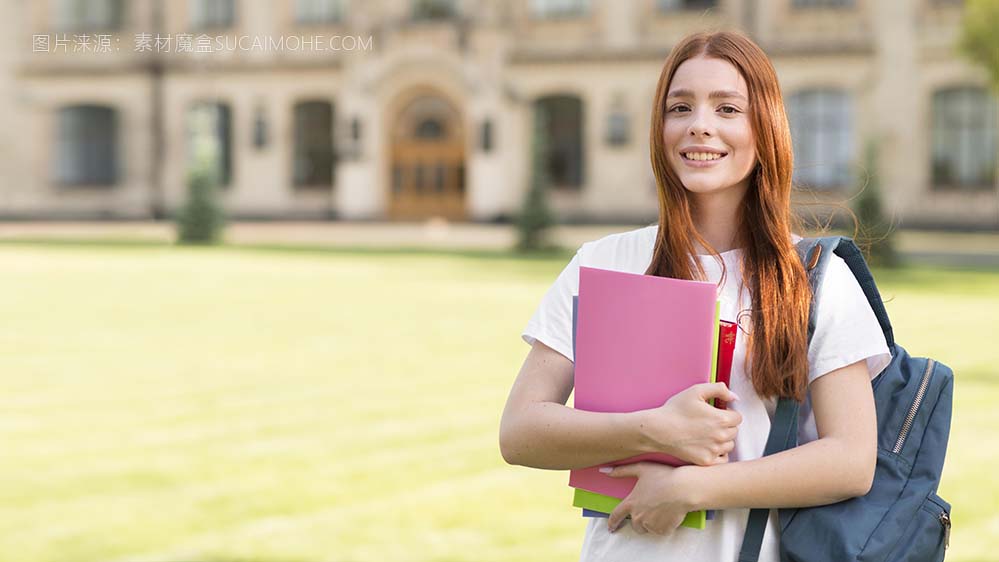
(623, 471)
(720, 459)
(617, 516)
(639, 527)
(655, 530)
(717, 390)
(732, 418)
(727, 447)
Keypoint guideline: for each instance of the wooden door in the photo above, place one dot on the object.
(427, 170)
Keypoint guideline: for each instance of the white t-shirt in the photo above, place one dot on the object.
(846, 331)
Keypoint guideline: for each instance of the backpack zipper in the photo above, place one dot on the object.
(911, 416)
(945, 521)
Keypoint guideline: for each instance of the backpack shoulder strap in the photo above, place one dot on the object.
(815, 254)
(783, 436)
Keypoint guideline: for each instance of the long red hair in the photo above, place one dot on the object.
(777, 350)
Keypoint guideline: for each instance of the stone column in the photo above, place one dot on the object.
(899, 128)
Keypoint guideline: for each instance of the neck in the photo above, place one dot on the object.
(716, 218)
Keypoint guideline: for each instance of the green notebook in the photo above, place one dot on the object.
(606, 504)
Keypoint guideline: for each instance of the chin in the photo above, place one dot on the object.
(701, 186)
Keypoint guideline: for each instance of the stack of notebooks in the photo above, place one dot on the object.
(637, 341)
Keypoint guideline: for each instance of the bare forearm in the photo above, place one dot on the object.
(552, 436)
(821, 472)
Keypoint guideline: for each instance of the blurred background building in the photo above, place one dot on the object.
(402, 110)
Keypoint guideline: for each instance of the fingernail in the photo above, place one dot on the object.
(606, 469)
(735, 396)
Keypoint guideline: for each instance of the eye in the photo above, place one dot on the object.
(734, 109)
(676, 107)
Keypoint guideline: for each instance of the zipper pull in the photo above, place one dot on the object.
(945, 521)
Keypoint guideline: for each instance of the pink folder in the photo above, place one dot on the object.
(640, 339)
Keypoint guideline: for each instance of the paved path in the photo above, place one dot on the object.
(950, 248)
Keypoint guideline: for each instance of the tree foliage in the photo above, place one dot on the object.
(201, 219)
(535, 217)
(980, 36)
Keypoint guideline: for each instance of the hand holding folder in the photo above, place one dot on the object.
(641, 339)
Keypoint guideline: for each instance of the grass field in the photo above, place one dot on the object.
(169, 404)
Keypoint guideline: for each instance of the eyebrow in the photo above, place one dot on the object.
(712, 95)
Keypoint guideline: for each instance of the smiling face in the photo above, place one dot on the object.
(707, 132)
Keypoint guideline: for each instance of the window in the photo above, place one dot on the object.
(559, 8)
(822, 133)
(434, 9)
(964, 138)
(823, 3)
(486, 136)
(212, 13)
(563, 158)
(319, 11)
(86, 145)
(355, 129)
(88, 15)
(209, 134)
(618, 127)
(674, 5)
(430, 128)
(313, 163)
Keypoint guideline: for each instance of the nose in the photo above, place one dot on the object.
(700, 124)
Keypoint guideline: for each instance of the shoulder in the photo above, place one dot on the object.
(624, 251)
(837, 272)
(838, 276)
(846, 327)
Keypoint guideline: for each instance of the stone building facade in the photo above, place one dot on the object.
(405, 110)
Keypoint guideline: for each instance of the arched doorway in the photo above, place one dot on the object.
(427, 160)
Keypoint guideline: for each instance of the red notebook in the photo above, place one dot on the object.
(726, 348)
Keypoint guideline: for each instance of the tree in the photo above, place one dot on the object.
(877, 234)
(535, 217)
(980, 36)
(201, 219)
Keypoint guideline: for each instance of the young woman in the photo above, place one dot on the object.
(722, 157)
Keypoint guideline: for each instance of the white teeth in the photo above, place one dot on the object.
(703, 156)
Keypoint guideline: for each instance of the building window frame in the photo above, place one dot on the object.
(822, 128)
(89, 15)
(212, 14)
(209, 136)
(559, 9)
(320, 12)
(87, 146)
(564, 157)
(671, 6)
(963, 139)
(486, 135)
(433, 10)
(313, 150)
(823, 4)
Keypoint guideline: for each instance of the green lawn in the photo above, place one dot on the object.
(171, 404)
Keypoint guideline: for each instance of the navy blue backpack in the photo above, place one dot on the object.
(901, 519)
